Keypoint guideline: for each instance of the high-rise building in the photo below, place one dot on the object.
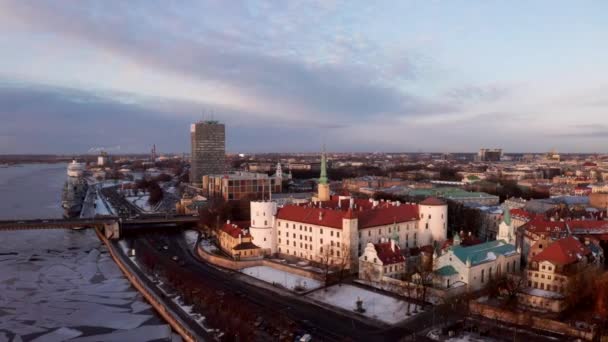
(208, 155)
(489, 155)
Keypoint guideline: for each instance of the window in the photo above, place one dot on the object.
(331, 233)
(338, 253)
(337, 234)
(332, 242)
(294, 243)
(321, 249)
(301, 245)
(265, 223)
(321, 231)
(429, 216)
(482, 275)
(279, 240)
(294, 235)
(338, 243)
(379, 231)
(279, 249)
(288, 244)
(300, 236)
(375, 260)
(294, 226)
(427, 225)
(300, 227)
(279, 224)
(279, 233)
(369, 233)
(365, 258)
(321, 241)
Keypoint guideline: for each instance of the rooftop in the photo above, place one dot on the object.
(483, 252)
(563, 252)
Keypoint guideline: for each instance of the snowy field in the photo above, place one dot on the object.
(384, 308)
(209, 247)
(62, 284)
(285, 279)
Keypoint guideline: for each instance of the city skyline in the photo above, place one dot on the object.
(408, 76)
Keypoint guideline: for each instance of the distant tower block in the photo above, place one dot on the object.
(262, 223)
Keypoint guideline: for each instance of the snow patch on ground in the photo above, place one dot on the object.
(191, 236)
(209, 247)
(381, 307)
(285, 279)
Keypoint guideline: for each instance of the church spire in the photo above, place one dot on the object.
(323, 177)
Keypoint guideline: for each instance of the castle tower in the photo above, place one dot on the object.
(323, 187)
(262, 225)
(350, 238)
(433, 223)
(506, 231)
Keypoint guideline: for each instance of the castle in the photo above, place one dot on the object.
(337, 228)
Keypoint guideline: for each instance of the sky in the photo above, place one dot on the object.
(79, 76)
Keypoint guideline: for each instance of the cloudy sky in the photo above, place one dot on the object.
(446, 76)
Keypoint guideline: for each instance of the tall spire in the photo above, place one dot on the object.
(507, 216)
(323, 177)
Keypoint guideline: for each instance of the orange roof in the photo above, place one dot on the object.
(432, 201)
(563, 252)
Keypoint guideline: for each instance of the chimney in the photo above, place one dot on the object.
(240, 238)
(227, 221)
(469, 233)
(320, 216)
(352, 203)
(392, 245)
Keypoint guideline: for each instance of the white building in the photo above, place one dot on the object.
(474, 265)
(341, 227)
(381, 259)
(262, 225)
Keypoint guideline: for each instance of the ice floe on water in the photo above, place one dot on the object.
(58, 285)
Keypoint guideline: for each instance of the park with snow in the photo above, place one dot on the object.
(381, 307)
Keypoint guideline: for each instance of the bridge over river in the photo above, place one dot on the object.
(112, 226)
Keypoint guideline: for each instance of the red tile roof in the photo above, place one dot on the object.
(432, 201)
(383, 214)
(563, 252)
(541, 226)
(522, 214)
(234, 230)
(387, 255)
(387, 215)
(318, 216)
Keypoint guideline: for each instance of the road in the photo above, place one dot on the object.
(324, 324)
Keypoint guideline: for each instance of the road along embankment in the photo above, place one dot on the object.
(155, 300)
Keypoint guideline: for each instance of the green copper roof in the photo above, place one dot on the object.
(446, 271)
(323, 178)
(507, 216)
(483, 252)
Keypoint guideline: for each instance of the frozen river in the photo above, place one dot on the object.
(58, 285)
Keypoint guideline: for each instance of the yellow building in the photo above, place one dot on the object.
(237, 242)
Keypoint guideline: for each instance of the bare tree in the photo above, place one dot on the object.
(326, 263)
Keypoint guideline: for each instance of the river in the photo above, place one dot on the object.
(58, 285)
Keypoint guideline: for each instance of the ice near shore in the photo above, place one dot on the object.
(64, 280)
